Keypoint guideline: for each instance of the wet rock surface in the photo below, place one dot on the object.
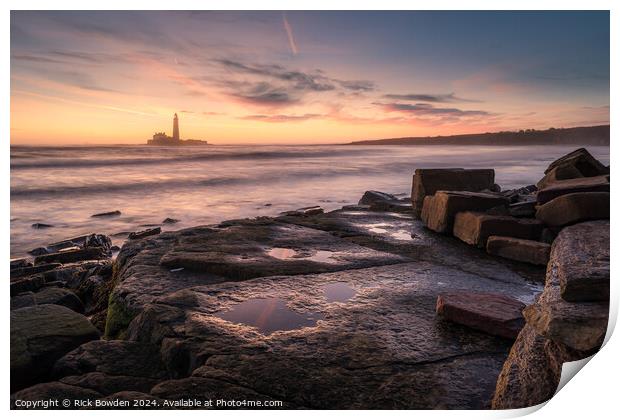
(523, 250)
(39, 336)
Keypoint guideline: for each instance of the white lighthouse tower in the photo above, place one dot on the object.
(175, 128)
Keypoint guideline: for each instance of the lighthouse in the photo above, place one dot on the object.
(175, 128)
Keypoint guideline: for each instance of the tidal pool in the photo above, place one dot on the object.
(338, 292)
(288, 253)
(268, 315)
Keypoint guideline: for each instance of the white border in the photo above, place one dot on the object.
(593, 394)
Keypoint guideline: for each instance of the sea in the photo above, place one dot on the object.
(64, 186)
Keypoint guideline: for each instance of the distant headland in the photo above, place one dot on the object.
(161, 139)
(595, 136)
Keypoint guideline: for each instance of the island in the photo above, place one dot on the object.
(161, 139)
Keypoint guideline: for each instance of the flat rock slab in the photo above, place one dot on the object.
(428, 181)
(49, 295)
(475, 228)
(235, 251)
(440, 209)
(581, 254)
(575, 207)
(380, 345)
(488, 312)
(568, 186)
(532, 252)
(39, 336)
(73, 255)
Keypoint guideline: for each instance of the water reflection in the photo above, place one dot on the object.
(338, 292)
(268, 315)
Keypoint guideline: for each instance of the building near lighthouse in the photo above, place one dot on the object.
(162, 139)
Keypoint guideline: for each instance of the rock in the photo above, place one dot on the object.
(53, 391)
(28, 284)
(41, 226)
(20, 263)
(72, 255)
(426, 182)
(523, 250)
(581, 255)
(569, 186)
(97, 240)
(39, 251)
(578, 325)
(380, 201)
(531, 373)
(39, 336)
(371, 197)
(58, 296)
(304, 212)
(22, 300)
(110, 384)
(475, 228)
(115, 248)
(144, 233)
(558, 174)
(112, 357)
(548, 235)
(573, 208)
(169, 221)
(488, 312)
(523, 209)
(439, 210)
(521, 194)
(583, 161)
(107, 214)
(71, 275)
(30, 270)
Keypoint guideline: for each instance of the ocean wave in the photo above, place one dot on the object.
(34, 161)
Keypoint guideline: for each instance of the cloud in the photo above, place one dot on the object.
(425, 97)
(282, 118)
(424, 109)
(261, 93)
(300, 80)
(289, 34)
(358, 85)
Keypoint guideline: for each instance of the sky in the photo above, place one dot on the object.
(109, 77)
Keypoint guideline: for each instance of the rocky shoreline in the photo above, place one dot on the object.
(441, 300)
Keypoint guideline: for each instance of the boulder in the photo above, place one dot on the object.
(475, 228)
(523, 250)
(109, 384)
(55, 393)
(573, 208)
(569, 186)
(28, 284)
(144, 233)
(169, 221)
(304, 212)
(582, 161)
(107, 214)
(22, 300)
(40, 335)
(426, 182)
(530, 374)
(72, 255)
(577, 325)
(58, 296)
(440, 209)
(491, 313)
(97, 240)
(583, 264)
(112, 357)
(41, 226)
(558, 174)
(379, 201)
(523, 209)
(30, 270)
(20, 263)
